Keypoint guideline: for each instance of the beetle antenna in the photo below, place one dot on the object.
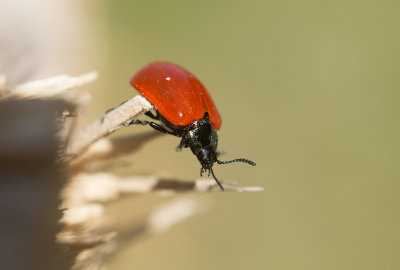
(215, 178)
(252, 163)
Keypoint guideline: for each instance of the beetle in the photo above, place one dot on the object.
(184, 109)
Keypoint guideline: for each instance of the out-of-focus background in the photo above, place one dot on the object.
(307, 89)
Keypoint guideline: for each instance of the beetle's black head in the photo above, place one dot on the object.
(202, 138)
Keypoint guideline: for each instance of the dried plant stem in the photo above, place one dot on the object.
(106, 125)
(106, 187)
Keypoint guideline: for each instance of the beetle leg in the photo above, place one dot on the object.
(137, 122)
(153, 125)
(160, 128)
(105, 113)
(181, 145)
(151, 115)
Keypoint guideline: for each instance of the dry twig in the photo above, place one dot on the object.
(62, 87)
(111, 122)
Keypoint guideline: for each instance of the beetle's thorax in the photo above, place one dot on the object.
(202, 138)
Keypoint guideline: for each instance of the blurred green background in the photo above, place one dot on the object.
(307, 89)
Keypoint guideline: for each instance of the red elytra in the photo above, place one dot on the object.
(176, 94)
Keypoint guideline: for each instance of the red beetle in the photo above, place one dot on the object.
(184, 109)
